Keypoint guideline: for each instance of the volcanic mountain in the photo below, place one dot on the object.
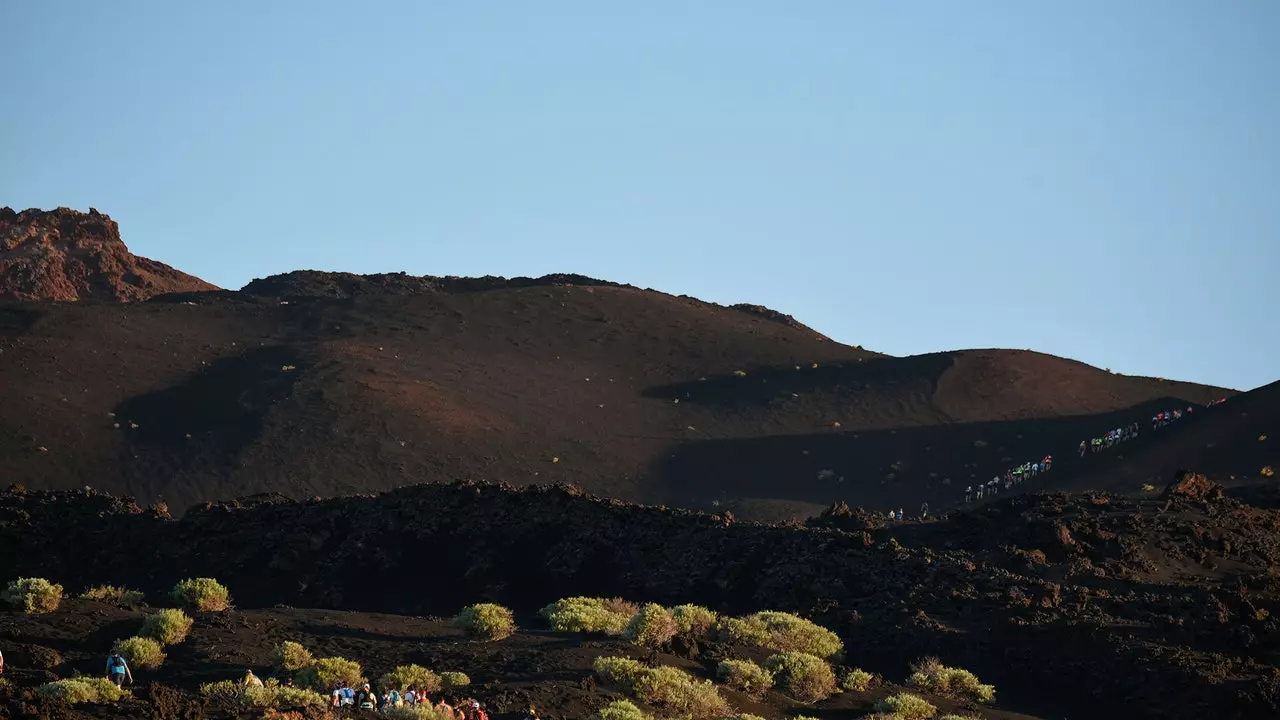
(66, 255)
(324, 384)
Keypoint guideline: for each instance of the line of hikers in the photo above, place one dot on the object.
(365, 698)
(1013, 476)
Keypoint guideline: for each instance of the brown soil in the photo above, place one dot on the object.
(630, 393)
(68, 255)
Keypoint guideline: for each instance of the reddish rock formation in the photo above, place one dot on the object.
(65, 254)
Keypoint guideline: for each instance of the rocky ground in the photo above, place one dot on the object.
(1071, 605)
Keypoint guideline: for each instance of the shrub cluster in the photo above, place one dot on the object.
(167, 627)
(621, 710)
(782, 632)
(418, 712)
(237, 697)
(665, 687)
(454, 680)
(586, 614)
(411, 676)
(33, 595)
(652, 626)
(81, 690)
(746, 676)
(805, 677)
(905, 706)
(142, 653)
(693, 620)
(331, 672)
(856, 680)
(487, 621)
(930, 674)
(204, 594)
(112, 594)
(290, 656)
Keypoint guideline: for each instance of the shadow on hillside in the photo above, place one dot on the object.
(17, 319)
(766, 384)
(220, 408)
(896, 468)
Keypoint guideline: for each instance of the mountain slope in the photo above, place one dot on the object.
(67, 255)
(526, 381)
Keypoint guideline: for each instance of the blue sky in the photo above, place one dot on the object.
(1093, 179)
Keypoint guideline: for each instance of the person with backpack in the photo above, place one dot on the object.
(393, 698)
(251, 680)
(118, 670)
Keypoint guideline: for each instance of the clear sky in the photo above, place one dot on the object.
(1091, 178)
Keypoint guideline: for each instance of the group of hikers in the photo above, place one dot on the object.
(365, 698)
(1013, 476)
(1123, 434)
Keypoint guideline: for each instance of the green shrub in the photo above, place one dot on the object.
(417, 712)
(746, 676)
(142, 653)
(331, 672)
(748, 716)
(81, 690)
(665, 687)
(856, 680)
(652, 626)
(454, 680)
(621, 710)
(204, 594)
(907, 707)
(805, 677)
(405, 677)
(930, 674)
(585, 614)
(693, 620)
(290, 656)
(167, 627)
(486, 620)
(112, 594)
(235, 696)
(951, 716)
(781, 632)
(33, 595)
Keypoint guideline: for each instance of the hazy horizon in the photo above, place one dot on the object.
(1094, 181)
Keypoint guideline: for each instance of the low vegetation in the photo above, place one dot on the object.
(746, 676)
(417, 712)
(693, 620)
(781, 632)
(235, 696)
(905, 706)
(33, 595)
(203, 594)
(857, 680)
(112, 594)
(621, 710)
(668, 688)
(805, 677)
(930, 674)
(486, 621)
(652, 626)
(454, 680)
(81, 690)
(586, 614)
(416, 677)
(290, 656)
(142, 653)
(167, 627)
(331, 672)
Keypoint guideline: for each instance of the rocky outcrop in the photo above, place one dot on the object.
(68, 255)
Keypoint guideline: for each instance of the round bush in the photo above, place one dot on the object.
(454, 680)
(652, 626)
(204, 594)
(330, 673)
(693, 620)
(806, 678)
(416, 677)
(81, 690)
(33, 595)
(785, 632)
(290, 656)
(746, 676)
(585, 614)
(167, 627)
(856, 680)
(142, 653)
(113, 595)
(907, 707)
(621, 710)
(487, 621)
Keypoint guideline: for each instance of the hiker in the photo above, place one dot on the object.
(924, 513)
(337, 697)
(477, 713)
(968, 494)
(410, 697)
(901, 517)
(366, 699)
(444, 708)
(1047, 463)
(251, 680)
(348, 696)
(118, 670)
(979, 491)
(532, 714)
(1, 662)
(1082, 445)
